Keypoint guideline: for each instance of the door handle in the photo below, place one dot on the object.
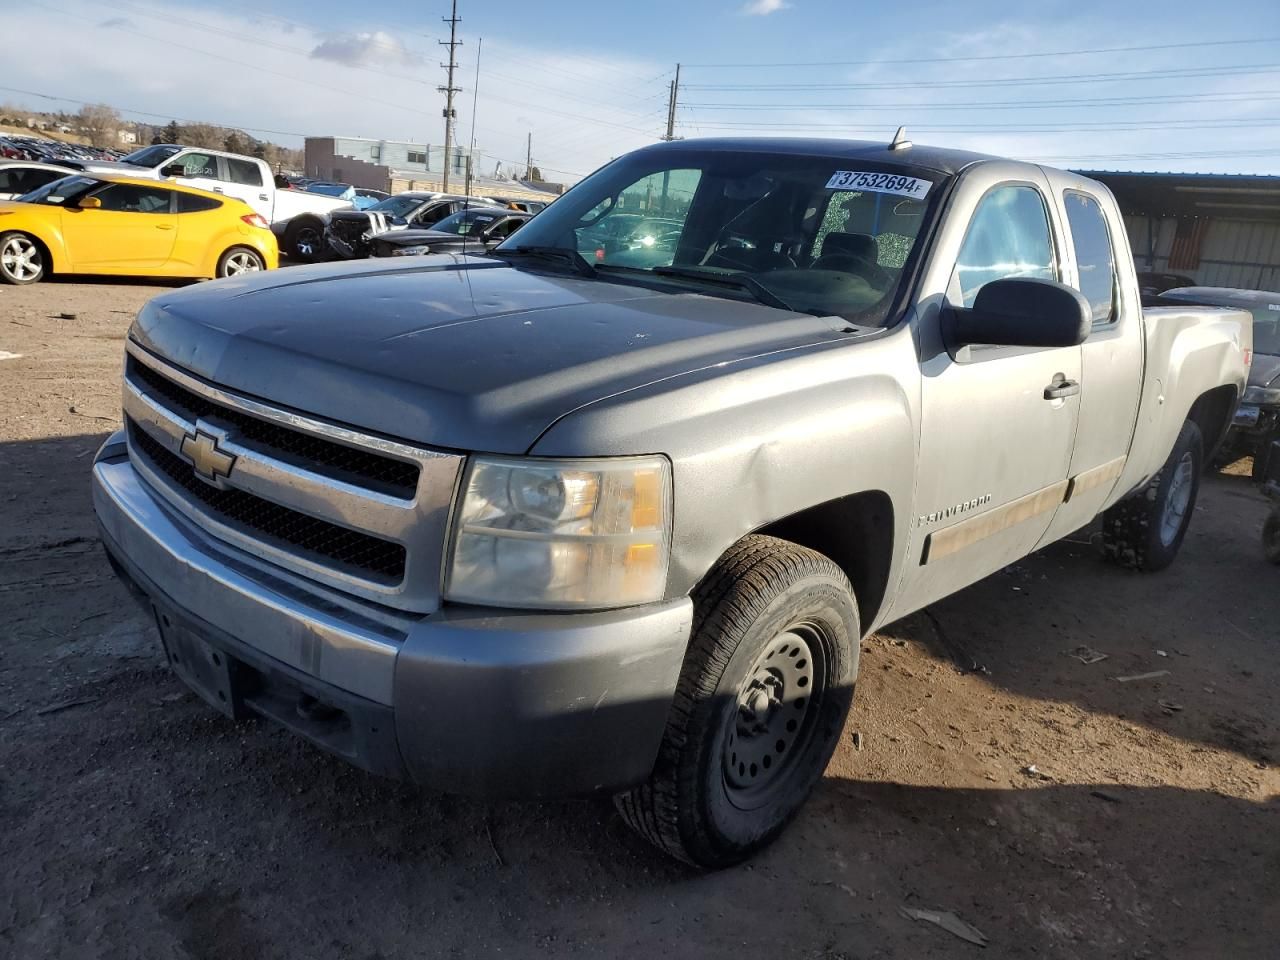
(216, 189)
(1061, 388)
(263, 196)
(164, 226)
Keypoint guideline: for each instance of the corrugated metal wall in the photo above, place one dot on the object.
(1235, 253)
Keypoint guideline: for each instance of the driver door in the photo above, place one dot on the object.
(133, 231)
(199, 169)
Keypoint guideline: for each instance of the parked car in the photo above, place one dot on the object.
(349, 233)
(361, 198)
(525, 525)
(108, 224)
(468, 231)
(1257, 421)
(1152, 284)
(295, 216)
(522, 204)
(18, 177)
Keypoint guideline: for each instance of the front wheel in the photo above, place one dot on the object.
(759, 706)
(1145, 531)
(22, 259)
(240, 260)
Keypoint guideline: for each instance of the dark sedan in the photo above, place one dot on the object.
(470, 231)
(1257, 421)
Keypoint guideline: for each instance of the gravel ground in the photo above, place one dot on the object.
(136, 822)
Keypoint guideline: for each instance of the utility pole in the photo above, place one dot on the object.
(673, 97)
(475, 95)
(449, 90)
(528, 158)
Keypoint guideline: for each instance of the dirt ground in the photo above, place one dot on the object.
(136, 822)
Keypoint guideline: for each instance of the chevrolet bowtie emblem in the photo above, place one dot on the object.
(210, 463)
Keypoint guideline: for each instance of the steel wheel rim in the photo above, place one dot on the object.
(1178, 499)
(21, 259)
(775, 715)
(239, 263)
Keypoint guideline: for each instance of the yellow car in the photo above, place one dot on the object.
(90, 223)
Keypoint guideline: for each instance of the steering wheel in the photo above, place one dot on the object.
(869, 270)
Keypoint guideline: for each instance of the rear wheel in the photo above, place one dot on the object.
(758, 710)
(22, 259)
(240, 260)
(1145, 531)
(1263, 453)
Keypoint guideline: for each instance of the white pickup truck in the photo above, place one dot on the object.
(294, 215)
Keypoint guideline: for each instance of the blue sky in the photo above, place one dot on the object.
(589, 80)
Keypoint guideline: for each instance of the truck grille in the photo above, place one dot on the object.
(345, 548)
(349, 464)
(361, 513)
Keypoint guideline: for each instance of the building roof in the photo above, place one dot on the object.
(1231, 196)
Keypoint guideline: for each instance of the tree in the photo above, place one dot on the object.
(535, 175)
(99, 123)
(233, 142)
(203, 135)
(169, 133)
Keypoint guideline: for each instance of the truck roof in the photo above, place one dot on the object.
(942, 159)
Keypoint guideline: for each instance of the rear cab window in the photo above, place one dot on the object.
(244, 172)
(1095, 258)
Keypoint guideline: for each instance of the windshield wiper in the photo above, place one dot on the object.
(567, 255)
(743, 281)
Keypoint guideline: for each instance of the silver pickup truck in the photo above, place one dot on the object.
(578, 517)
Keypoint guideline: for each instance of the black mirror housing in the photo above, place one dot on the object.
(173, 170)
(1023, 312)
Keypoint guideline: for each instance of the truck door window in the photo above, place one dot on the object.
(244, 172)
(199, 165)
(1008, 237)
(1095, 261)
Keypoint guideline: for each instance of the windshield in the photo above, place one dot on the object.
(1266, 328)
(60, 192)
(398, 206)
(824, 235)
(466, 223)
(150, 156)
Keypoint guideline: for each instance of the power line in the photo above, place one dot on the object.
(1241, 96)
(1047, 80)
(988, 57)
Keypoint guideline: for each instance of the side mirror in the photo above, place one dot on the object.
(89, 203)
(1022, 312)
(173, 170)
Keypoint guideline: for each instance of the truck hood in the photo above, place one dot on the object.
(1264, 369)
(453, 351)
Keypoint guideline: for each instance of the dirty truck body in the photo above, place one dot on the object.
(515, 526)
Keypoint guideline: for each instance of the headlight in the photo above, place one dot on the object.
(1261, 395)
(410, 251)
(562, 534)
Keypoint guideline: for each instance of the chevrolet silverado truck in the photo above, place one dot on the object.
(539, 524)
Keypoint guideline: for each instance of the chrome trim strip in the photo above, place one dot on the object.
(419, 524)
(1095, 477)
(956, 537)
(320, 641)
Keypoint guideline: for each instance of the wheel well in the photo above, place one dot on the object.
(856, 532)
(304, 219)
(1212, 414)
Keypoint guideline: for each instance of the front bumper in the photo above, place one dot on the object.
(467, 700)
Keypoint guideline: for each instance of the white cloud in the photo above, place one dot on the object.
(365, 50)
(762, 8)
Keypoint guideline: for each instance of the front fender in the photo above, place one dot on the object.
(759, 440)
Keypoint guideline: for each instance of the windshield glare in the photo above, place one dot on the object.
(398, 206)
(60, 192)
(831, 236)
(150, 156)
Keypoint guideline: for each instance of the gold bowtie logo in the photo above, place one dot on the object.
(210, 463)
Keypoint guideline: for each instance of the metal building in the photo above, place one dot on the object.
(1221, 230)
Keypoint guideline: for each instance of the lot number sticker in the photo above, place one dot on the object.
(912, 187)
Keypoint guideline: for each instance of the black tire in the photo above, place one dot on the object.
(1134, 531)
(1262, 455)
(1271, 535)
(304, 239)
(703, 804)
(23, 258)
